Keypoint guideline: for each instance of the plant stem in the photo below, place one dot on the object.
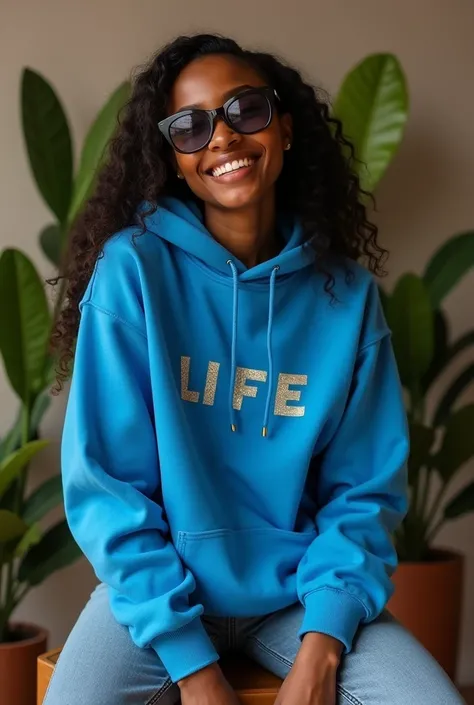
(414, 502)
(2, 551)
(417, 402)
(20, 595)
(431, 534)
(435, 506)
(17, 508)
(25, 437)
(425, 492)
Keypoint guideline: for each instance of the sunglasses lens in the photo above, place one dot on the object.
(190, 132)
(249, 113)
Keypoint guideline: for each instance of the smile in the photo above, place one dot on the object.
(229, 167)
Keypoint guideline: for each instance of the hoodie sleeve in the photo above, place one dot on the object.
(111, 482)
(344, 577)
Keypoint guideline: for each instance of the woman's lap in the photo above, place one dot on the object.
(100, 664)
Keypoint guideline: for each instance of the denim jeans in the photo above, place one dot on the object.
(100, 664)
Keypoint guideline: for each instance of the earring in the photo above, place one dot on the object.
(179, 175)
(288, 146)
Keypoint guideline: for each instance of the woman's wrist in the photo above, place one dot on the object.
(321, 647)
(201, 678)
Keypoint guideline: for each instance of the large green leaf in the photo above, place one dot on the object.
(51, 243)
(32, 537)
(449, 263)
(454, 391)
(458, 443)
(48, 141)
(57, 549)
(440, 352)
(25, 324)
(94, 152)
(421, 441)
(372, 105)
(411, 320)
(462, 503)
(43, 499)
(11, 467)
(40, 407)
(11, 526)
(12, 441)
(444, 357)
(384, 299)
(8, 501)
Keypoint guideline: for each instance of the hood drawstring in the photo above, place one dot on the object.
(235, 306)
(235, 280)
(269, 349)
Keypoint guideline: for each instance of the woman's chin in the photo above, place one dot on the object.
(236, 198)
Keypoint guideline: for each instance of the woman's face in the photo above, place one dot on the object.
(207, 83)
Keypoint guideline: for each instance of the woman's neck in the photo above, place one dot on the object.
(249, 234)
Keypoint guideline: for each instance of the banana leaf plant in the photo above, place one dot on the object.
(441, 439)
(28, 552)
(373, 106)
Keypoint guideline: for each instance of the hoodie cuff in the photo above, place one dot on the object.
(332, 612)
(186, 650)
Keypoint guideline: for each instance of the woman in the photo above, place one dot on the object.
(235, 442)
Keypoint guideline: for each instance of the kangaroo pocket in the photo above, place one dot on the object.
(246, 572)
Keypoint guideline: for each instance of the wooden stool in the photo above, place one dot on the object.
(253, 684)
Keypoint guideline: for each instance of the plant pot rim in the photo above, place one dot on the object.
(438, 556)
(39, 634)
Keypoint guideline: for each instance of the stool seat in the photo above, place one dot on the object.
(253, 684)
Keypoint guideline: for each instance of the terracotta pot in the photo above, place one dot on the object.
(428, 601)
(18, 663)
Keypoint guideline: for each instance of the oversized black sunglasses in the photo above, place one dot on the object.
(246, 113)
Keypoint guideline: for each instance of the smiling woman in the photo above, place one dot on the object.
(235, 444)
(306, 168)
(252, 127)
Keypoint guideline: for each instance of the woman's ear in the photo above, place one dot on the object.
(286, 123)
(173, 162)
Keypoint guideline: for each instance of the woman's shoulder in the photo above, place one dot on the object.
(358, 287)
(115, 285)
(127, 246)
(353, 279)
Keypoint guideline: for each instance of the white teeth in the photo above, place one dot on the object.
(232, 166)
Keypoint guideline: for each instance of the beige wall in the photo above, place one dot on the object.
(86, 48)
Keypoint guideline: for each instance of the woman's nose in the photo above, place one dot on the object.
(223, 136)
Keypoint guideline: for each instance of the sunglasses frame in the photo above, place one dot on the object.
(270, 94)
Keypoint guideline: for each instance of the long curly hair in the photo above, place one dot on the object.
(318, 181)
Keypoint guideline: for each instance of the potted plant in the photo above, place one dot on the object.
(28, 552)
(373, 106)
(429, 581)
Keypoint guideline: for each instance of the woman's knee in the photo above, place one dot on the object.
(388, 666)
(100, 664)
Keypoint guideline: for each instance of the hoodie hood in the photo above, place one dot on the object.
(181, 224)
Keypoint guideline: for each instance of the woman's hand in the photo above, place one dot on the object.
(207, 687)
(312, 679)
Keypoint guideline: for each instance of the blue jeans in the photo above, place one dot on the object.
(100, 664)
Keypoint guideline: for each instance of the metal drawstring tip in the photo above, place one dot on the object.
(234, 428)
(264, 431)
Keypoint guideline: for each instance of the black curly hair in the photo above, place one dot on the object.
(318, 182)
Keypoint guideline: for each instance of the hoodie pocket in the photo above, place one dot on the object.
(243, 572)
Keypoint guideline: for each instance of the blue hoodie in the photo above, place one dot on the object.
(235, 441)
